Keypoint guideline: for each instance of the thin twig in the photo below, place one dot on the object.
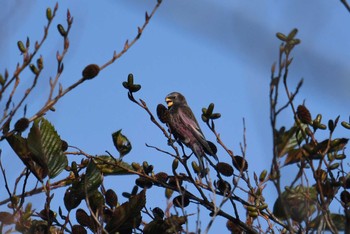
(345, 3)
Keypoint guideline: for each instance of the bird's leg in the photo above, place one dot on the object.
(183, 151)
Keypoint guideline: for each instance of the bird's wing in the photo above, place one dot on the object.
(188, 119)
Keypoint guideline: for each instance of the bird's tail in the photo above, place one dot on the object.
(211, 150)
(200, 154)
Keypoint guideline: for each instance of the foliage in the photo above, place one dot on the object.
(301, 207)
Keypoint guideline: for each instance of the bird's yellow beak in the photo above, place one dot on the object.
(169, 102)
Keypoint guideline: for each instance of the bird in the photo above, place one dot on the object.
(185, 128)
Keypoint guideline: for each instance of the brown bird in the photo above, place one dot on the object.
(184, 126)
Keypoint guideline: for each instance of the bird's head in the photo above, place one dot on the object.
(175, 99)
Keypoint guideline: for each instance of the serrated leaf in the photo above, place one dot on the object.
(93, 177)
(20, 147)
(128, 215)
(46, 147)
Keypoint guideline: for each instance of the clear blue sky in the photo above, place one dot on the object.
(211, 51)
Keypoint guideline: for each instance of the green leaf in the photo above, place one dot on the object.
(121, 143)
(46, 147)
(128, 215)
(110, 166)
(87, 185)
(296, 203)
(20, 146)
(93, 177)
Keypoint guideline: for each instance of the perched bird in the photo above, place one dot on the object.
(184, 126)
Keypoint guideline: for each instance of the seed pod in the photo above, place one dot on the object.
(333, 166)
(130, 79)
(181, 201)
(292, 34)
(253, 214)
(71, 200)
(345, 197)
(304, 114)
(90, 71)
(318, 118)
(143, 183)
(281, 36)
(134, 190)
(134, 88)
(78, 229)
(126, 194)
(64, 145)
(136, 166)
(215, 116)
(96, 201)
(83, 218)
(240, 163)
(340, 156)
(162, 113)
(263, 206)
(331, 125)
(210, 109)
(161, 177)
(251, 208)
(345, 124)
(158, 213)
(175, 181)
(145, 165)
(149, 169)
(225, 169)
(111, 198)
(204, 118)
(223, 186)
(21, 125)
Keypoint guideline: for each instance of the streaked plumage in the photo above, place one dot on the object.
(184, 126)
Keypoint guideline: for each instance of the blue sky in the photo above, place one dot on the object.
(211, 51)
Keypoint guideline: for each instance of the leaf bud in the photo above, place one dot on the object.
(21, 47)
(345, 124)
(34, 69)
(61, 30)
(168, 193)
(48, 13)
